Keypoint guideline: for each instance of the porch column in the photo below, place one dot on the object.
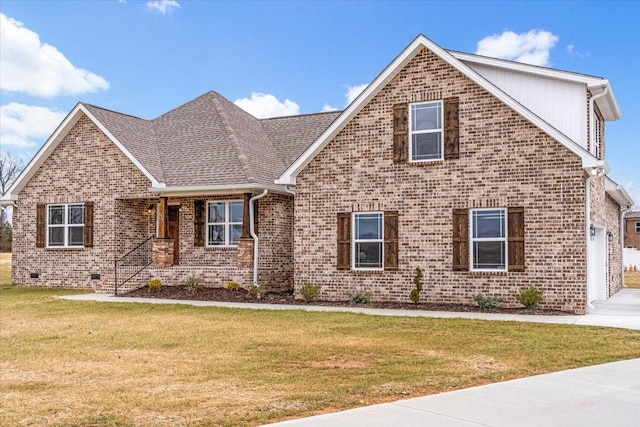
(246, 231)
(245, 244)
(162, 218)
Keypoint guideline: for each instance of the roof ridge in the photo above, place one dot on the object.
(240, 154)
(300, 115)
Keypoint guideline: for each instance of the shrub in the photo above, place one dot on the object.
(417, 281)
(193, 285)
(487, 302)
(233, 286)
(255, 291)
(360, 297)
(530, 297)
(309, 291)
(155, 285)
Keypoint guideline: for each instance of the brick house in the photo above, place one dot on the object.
(490, 175)
(631, 230)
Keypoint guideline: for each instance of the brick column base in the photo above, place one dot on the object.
(162, 256)
(245, 252)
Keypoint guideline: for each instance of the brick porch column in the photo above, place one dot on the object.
(162, 253)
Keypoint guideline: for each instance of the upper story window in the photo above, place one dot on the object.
(368, 238)
(224, 223)
(488, 239)
(597, 135)
(637, 226)
(65, 225)
(425, 131)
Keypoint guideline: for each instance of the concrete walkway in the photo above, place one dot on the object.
(620, 311)
(602, 395)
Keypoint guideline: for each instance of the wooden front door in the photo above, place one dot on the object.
(174, 231)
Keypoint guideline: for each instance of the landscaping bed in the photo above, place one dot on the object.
(241, 295)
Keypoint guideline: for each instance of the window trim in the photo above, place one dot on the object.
(504, 239)
(637, 227)
(439, 130)
(354, 241)
(65, 226)
(227, 223)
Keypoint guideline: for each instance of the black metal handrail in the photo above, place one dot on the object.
(133, 262)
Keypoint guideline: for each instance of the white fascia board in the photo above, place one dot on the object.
(607, 104)
(618, 193)
(58, 135)
(205, 190)
(288, 177)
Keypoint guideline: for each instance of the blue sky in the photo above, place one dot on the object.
(273, 58)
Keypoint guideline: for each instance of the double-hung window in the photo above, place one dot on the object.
(488, 239)
(224, 223)
(637, 226)
(425, 131)
(368, 239)
(65, 225)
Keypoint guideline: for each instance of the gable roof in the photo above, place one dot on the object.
(204, 145)
(419, 43)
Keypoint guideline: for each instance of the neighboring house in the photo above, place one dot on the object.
(490, 175)
(631, 229)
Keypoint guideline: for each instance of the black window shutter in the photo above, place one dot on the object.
(88, 224)
(41, 225)
(515, 238)
(400, 132)
(451, 129)
(460, 239)
(198, 223)
(344, 241)
(391, 240)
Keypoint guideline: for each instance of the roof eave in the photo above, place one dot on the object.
(212, 190)
(618, 193)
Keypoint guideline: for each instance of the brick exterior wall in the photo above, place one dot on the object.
(631, 237)
(87, 166)
(505, 161)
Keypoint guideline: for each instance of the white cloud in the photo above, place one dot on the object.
(532, 47)
(25, 126)
(264, 105)
(571, 49)
(326, 108)
(354, 91)
(39, 69)
(163, 6)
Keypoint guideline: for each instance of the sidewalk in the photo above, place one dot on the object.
(602, 395)
(620, 311)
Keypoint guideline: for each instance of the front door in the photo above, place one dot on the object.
(174, 231)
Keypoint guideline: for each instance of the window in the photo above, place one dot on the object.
(637, 226)
(425, 131)
(224, 223)
(489, 239)
(368, 240)
(65, 225)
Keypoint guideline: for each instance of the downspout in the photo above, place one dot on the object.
(593, 173)
(591, 119)
(252, 227)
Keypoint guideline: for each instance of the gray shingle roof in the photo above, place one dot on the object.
(211, 141)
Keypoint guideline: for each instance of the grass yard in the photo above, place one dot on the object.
(632, 279)
(68, 363)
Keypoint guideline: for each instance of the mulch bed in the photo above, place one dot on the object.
(224, 295)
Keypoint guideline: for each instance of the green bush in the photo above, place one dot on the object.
(255, 291)
(417, 281)
(155, 285)
(309, 291)
(530, 297)
(193, 285)
(360, 297)
(487, 302)
(233, 286)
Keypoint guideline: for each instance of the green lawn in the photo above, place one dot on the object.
(69, 363)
